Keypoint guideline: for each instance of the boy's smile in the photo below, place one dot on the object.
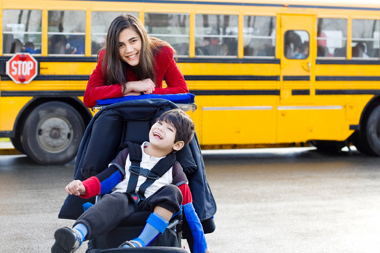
(158, 135)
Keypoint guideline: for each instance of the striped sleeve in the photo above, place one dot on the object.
(179, 177)
(180, 180)
(102, 183)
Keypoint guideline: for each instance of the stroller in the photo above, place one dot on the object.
(105, 136)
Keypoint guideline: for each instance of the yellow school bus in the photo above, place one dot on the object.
(265, 73)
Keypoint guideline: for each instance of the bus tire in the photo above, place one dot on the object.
(370, 137)
(357, 140)
(52, 133)
(328, 146)
(16, 142)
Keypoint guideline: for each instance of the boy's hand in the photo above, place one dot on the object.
(75, 188)
(208, 251)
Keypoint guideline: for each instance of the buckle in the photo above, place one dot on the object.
(144, 172)
(134, 170)
(152, 175)
(137, 198)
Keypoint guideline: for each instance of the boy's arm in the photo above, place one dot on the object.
(102, 183)
(180, 180)
(200, 244)
(105, 181)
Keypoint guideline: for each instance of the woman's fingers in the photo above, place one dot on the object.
(148, 86)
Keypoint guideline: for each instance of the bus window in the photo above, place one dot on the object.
(332, 37)
(173, 28)
(216, 35)
(66, 32)
(296, 44)
(259, 36)
(22, 31)
(365, 38)
(100, 21)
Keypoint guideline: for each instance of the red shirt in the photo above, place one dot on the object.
(165, 67)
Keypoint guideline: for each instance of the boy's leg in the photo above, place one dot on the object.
(164, 203)
(106, 214)
(97, 220)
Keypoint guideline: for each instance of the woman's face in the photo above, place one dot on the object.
(130, 46)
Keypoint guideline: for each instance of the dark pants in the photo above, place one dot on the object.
(113, 208)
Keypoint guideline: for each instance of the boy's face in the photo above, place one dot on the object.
(162, 135)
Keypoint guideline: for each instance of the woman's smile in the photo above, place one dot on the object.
(132, 57)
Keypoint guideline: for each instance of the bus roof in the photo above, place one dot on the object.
(351, 4)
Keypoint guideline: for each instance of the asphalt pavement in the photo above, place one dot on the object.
(269, 200)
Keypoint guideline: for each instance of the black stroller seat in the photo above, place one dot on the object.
(104, 137)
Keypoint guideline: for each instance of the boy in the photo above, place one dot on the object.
(163, 197)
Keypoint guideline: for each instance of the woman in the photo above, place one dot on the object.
(132, 64)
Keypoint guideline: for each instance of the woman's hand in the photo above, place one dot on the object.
(75, 188)
(146, 86)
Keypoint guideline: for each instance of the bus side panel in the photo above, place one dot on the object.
(331, 122)
(10, 107)
(301, 125)
(223, 122)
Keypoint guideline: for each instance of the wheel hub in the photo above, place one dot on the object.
(54, 134)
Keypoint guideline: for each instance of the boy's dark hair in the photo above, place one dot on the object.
(182, 122)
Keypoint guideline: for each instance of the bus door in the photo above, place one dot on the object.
(297, 54)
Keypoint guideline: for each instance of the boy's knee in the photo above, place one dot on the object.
(168, 197)
(172, 190)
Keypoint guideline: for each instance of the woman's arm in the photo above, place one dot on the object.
(146, 86)
(96, 88)
(167, 68)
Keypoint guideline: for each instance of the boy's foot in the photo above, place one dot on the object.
(67, 240)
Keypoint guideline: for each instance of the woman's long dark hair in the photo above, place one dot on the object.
(114, 69)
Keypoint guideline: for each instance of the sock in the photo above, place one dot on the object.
(82, 229)
(155, 225)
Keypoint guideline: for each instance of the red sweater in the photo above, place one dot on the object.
(165, 67)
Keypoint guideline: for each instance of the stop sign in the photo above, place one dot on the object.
(22, 68)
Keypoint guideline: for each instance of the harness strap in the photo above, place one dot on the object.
(135, 156)
(159, 169)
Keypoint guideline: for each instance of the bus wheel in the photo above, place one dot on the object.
(370, 137)
(328, 146)
(52, 133)
(16, 142)
(357, 140)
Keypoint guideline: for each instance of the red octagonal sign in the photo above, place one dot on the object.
(22, 68)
